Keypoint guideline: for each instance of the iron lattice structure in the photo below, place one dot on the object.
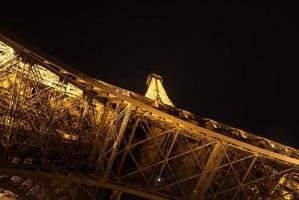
(65, 135)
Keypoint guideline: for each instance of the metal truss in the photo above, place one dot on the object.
(66, 136)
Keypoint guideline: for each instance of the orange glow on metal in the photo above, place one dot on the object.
(46, 77)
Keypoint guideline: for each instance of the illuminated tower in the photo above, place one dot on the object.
(156, 90)
(67, 136)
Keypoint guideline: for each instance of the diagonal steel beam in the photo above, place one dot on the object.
(148, 139)
(204, 181)
(128, 144)
(246, 175)
(167, 155)
(118, 140)
(170, 158)
(165, 160)
(139, 168)
(254, 181)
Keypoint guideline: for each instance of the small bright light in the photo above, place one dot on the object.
(159, 179)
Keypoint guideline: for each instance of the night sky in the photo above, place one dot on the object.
(235, 63)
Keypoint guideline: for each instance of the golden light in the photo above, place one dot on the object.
(70, 137)
(156, 90)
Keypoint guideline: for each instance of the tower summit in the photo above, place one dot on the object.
(155, 89)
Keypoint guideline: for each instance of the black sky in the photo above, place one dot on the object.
(235, 63)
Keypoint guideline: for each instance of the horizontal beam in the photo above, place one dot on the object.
(76, 179)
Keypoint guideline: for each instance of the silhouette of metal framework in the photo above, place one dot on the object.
(65, 135)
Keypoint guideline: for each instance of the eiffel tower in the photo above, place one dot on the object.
(65, 135)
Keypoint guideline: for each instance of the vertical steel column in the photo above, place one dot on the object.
(208, 175)
(118, 140)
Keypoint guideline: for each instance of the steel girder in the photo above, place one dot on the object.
(70, 134)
